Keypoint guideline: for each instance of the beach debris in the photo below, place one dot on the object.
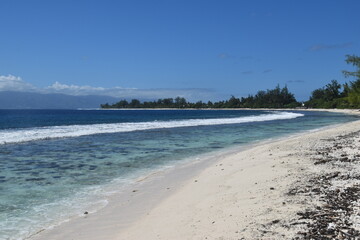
(275, 221)
(331, 215)
(332, 219)
(327, 192)
(86, 212)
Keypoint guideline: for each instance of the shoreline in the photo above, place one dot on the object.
(348, 111)
(201, 190)
(252, 199)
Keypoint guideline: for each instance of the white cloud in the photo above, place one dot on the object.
(320, 47)
(267, 70)
(128, 93)
(225, 56)
(74, 89)
(13, 83)
(10, 78)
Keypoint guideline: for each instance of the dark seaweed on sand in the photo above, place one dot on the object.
(331, 218)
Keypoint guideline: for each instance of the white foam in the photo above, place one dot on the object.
(42, 133)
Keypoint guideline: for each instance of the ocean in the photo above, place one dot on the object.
(55, 164)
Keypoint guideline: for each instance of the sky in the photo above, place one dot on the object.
(197, 49)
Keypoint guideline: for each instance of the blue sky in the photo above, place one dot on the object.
(199, 49)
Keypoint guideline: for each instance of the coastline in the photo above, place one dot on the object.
(230, 196)
(346, 111)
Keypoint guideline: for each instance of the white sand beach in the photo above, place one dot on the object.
(239, 195)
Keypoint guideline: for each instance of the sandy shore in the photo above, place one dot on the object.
(267, 191)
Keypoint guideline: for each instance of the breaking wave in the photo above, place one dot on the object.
(52, 132)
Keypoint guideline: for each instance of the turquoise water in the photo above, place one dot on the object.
(71, 160)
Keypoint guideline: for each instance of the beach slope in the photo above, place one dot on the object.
(256, 193)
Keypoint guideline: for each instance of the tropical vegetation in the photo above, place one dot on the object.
(335, 95)
(274, 98)
(332, 95)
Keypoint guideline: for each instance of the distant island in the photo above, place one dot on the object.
(35, 100)
(333, 95)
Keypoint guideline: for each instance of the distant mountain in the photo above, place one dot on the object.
(29, 100)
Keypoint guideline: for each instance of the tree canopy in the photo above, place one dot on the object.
(273, 98)
(332, 95)
(335, 95)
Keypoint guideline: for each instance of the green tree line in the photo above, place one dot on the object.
(335, 95)
(332, 95)
(274, 98)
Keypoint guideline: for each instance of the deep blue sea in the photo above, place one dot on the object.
(55, 164)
